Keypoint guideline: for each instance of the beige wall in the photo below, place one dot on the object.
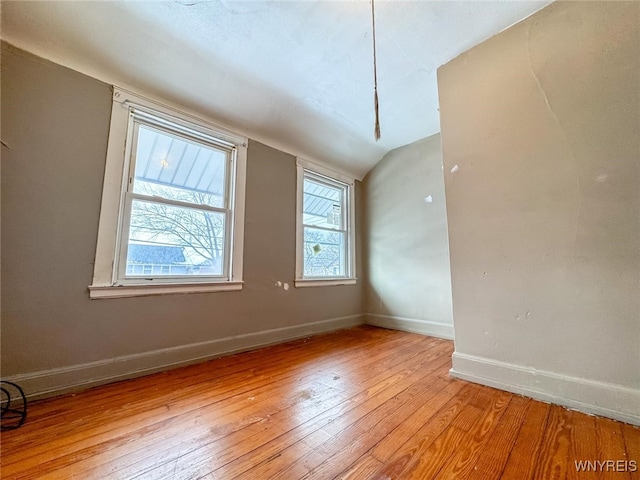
(543, 123)
(407, 260)
(55, 123)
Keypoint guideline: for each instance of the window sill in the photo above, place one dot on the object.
(324, 282)
(123, 291)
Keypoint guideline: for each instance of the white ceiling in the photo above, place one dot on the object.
(296, 75)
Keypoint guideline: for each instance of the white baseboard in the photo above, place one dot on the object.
(588, 396)
(424, 327)
(56, 381)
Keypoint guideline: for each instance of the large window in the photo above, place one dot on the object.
(173, 204)
(325, 247)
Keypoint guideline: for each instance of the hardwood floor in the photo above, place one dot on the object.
(364, 403)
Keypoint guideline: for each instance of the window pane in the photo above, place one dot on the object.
(175, 168)
(324, 253)
(169, 240)
(322, 205)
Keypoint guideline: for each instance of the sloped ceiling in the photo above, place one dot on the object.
(297, 75)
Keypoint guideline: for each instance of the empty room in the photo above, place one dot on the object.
(317, 239)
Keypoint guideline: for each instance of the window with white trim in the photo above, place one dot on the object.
(325, 249)
(173, 203)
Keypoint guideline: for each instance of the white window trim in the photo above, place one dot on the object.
(315, 167)
(104, 284)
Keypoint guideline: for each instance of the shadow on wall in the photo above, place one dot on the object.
(408, 273)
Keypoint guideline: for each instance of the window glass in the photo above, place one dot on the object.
(322, 205)
(175, 241)
(176, 168)
(177, 198)
(324, 253)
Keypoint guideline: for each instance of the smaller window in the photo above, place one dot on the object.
(325, 218)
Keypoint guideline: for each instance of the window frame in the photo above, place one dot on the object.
(330, 176)
(110, 265)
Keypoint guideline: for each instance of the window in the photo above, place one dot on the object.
(325, 249)
(172, 205)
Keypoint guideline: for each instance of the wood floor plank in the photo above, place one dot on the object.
(611, 447)
(445, 403)
(631, 436)
(362, 403)
(495, 454)
(525, 453)
(362, 469)
(493, 434)
(427, 463)
(583, 447)
(427, 422)
(420, 454)
(553, 459)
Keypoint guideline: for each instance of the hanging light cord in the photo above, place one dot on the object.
(375, 74)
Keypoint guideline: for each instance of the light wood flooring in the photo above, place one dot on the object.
(363, 403)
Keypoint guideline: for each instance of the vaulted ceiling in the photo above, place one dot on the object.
(296, 75)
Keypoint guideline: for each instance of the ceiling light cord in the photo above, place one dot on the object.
(375, 74)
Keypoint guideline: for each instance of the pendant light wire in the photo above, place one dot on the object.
(375, 74)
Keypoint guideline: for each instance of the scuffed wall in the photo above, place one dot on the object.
(541, 144)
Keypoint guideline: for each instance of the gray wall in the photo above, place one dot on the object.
(407, 260)
(543, 122)
(55, 123)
